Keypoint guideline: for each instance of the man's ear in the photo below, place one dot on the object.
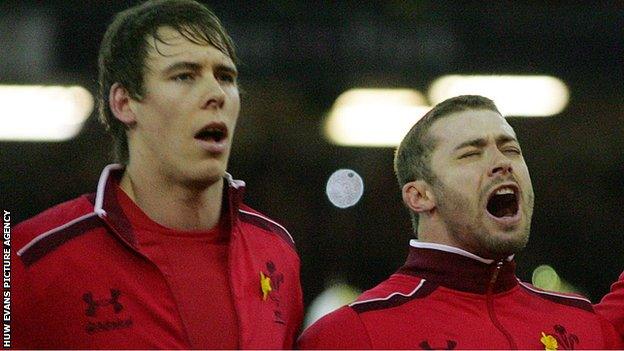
(417, 195)
(120, 104)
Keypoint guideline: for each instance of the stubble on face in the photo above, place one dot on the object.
(465, 225)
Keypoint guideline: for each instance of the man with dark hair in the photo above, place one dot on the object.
(467, 186)
(164, 255)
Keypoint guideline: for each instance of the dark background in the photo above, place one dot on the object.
(298, 56)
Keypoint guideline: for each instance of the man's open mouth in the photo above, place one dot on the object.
(215, 131)
(503, 202)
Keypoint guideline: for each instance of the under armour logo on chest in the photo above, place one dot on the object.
(93, 305)
(450, 345)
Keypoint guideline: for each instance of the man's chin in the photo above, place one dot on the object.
(507, 243)
(203, 176)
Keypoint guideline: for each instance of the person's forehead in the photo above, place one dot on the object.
(462, 126)
(174, 46)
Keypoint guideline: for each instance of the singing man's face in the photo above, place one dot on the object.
(483, 188)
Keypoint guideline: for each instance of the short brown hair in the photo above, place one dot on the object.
(412, 160)
(124, 49)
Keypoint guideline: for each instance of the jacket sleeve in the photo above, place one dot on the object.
(341, 329)
(612, 306)
(613, 341)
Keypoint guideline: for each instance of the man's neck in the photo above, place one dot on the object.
(172, 204)
(437, 232)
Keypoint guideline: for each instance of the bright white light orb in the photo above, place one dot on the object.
(344, 188)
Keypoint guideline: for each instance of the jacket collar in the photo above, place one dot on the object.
(108, 208)
(460, 270)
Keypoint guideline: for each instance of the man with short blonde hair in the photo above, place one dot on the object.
(465, 182)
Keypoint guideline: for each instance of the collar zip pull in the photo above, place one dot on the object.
(499, 264)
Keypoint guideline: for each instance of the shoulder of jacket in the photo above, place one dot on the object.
(258, 220)
(341, 329)
(44, 232)
(572, 300)
(395, 291)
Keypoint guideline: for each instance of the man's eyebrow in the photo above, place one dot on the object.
(481, 142)
(227, 68)
(183, 65)
(193, 66)
(504, 139)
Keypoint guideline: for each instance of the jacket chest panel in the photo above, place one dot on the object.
(451, 321)
(106, 303)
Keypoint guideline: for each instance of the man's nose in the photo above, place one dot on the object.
(501, 165)
(214, 97)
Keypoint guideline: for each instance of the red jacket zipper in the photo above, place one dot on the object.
(490, 307)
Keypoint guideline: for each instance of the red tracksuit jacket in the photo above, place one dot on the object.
(79, 281)
(612, 305)
(447, 298)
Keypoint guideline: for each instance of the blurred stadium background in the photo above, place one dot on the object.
(298, 57)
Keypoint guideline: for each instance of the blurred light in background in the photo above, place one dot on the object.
(382, 117)
(334, 297)
(374, 117)
(545, 277)
(525, 96)
(28, 41)
(344, 188)
(43, 113)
